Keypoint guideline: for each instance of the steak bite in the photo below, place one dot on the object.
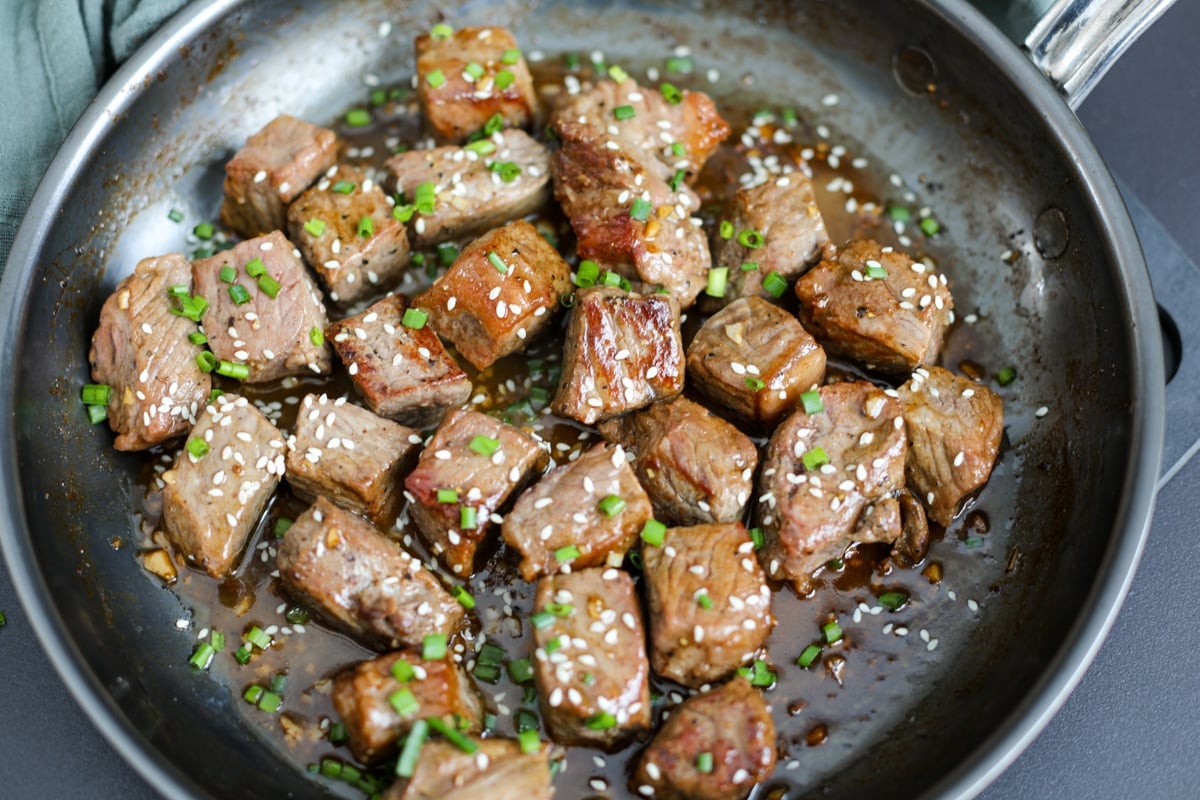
(402, 371)
(351, 456)
(754, 359)
(876, 306)
(266, 312)
(590, 663)
(471, 193)
(466, 77)
(784, 213)
(468, 470)
(221, 482)
(593, 504)
(622, 352)
(277, 164)
(695, 466)
(708, 600)
(501, 292)
(829, 478)
(345, 229)
(954, 430)
(361, 695)
(714, 746)
(498, 770)
(141, 350)
(362, 582)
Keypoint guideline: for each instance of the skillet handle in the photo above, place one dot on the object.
(1074, 42)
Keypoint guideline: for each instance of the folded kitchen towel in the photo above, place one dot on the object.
(54, 56)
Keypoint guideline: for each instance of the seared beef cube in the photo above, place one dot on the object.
(499, 770)
(625, 215)
(590, 663)
(351, 456)
(623, 351)
(141, 350)
(217, 491)
(695, 466)
(361, 581)
(270, 322)
(402, 372)
(822, 473)
(345, 229)
(876, 306)
(465, 78)
(474, 193)
(754, 359)
(709, 603)
(913, 543)
(574, 506)
(277, 164)
(501, 292)
(465, 474)
(784, 212)
(954, 430)
(373, 725)
(714, 746)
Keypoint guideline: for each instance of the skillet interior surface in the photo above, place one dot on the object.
(1068, 505)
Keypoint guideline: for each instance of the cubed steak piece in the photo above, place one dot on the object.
(714, 746)
(626, 216)
(362, 582)
(469, 191)
(775, 227)
(221, 482)
(623, 351)
(590, 663)
(276, 165)
(695, 466)
(954, 430)
(822, 473)
(362, 696)
(578, 515)
(497, 770)
(912, 546)
(142, 352)
(502, 292)
(708, 601)
(754, 359)
(398, 364)
(356, 459)
(345, 229)
(266, 314)
(468, 470)
(876, 306)
(466, 77)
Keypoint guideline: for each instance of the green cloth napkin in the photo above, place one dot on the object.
(54, 56)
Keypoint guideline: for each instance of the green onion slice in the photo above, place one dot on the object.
(832, 631)
(774, 284)
(718, 282)
(406, 765)
(97, 394)
(640, 210)
(814, 458)
(893, 601)
(611, 505)
(812, 402)
(414, 318)
(809, 656)
(484, 445)
(653, 532)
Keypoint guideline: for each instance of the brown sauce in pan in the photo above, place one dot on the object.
(851, 693)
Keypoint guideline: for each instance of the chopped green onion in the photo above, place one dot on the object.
(268, 286)
(624, 112)
(677, 180)
(525, 720)
(510, 56)
(677, 149)
(504, 79)
(337, 733)
(473, 69)
(435, 78)
(213, 394)
(279, 683)
(197, 447)
(239, 295)
(755, 384)
(521, 670)
(899, 214)
(378, 97)
(529, 741)
(191, 307)
(447, 254)
(242, 654)
(489, 673)
(553, 645)
(447, 496)
(611, 505)
(507, 170)
(588, 274)
(178, 290)
(833, 632)
(403, 212)
(930, 226)
(454, 737)
(750, 238)
(344, 187)
(316, 336)
(441, 31)
(758, 673)
(610, 278)
(542, 620)
(758, 537)
(497, 262)
(565, 554)
(812, 402)
(403, 671)
(617, 74)
(809, 655)
(814, 458)
(789, 116)
(749, 266)
(494, 124)
(484, 445)
(203, 231)
(680, 65)
(227, 274)
(253, 693)
(468, 518)
(414, 318)
(281, 527)
(893, 601)
(231, 370)
(483, 147)
(491, 654)
(297, 615)
(835, 564)
(1006, 376)
(560, 609)
(671, 93)
(601, 721)
(876, 271)
(774, 284)
(206, 361)
(704, 762)
(358, 117)
(571, 61)
(175, 215)
(726, 229)
(404, 702)
(203, 656)
(640, 210)
(366, 227)
(973, 541)
(704, 601)
(464, 598)
(97, 394)
(718, 281)
(406, 765)
(653, 532)
(257, 637)
(197, 338)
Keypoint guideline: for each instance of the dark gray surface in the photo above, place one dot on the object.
(1121, 732)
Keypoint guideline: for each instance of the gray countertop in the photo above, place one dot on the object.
(1128, 730)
